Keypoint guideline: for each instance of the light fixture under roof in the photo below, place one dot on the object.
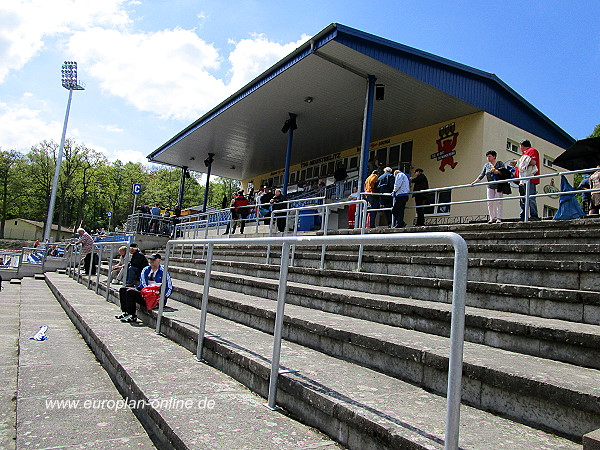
(308, 99)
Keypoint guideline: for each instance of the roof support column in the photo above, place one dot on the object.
(366, 132)
(208, 163)
(291, 125)
(181, 187)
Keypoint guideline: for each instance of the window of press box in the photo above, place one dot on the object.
(354, 162)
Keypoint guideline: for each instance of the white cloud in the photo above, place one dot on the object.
(165, 72)
(112, 128)
(251, 57)
(169, 72)
(25, 24)
(124, 155)
(22, 126)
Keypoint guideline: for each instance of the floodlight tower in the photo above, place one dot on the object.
(69, 82)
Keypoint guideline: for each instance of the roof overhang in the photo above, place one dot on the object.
(244, 132)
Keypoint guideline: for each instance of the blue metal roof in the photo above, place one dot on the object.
(481, 89)
(233, 129)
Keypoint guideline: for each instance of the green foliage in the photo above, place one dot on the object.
(90, 186)
(596, 132)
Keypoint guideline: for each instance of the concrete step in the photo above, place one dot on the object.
(553, 303)
(578, 275)
(570, 392)
(186, 404)
(360, 407)
(64, 398)
(565, 341)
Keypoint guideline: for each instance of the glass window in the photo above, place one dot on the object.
(309, 173)
(382, 156)
(548, 162)
(512, 146)
(324, 170)
(330, 168)
(292, 177)
(394, 155)
(354, 162)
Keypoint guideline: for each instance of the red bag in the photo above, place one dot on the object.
(151, 294)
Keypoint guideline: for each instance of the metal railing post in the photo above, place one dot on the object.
(526, 200)
(457, 338)
(323, 247)
(100, 254)
(278, 331)
(204, 305)
(163, 289)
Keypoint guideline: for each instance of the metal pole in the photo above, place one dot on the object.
(281, 294)
(209, 160)
(366, 131)
(100, 254)
(181, 188)
(163, 289)
(57, 173)
(526, 200)
(204, 305)
(288, 154)
(457, 338)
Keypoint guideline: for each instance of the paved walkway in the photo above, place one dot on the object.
(54, 393)
(192, 404)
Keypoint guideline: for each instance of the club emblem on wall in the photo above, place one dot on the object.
(446, 144)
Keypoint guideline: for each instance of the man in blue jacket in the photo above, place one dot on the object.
(400, 194)
(152, 275)
(385, 185)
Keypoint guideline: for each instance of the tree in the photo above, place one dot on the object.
(9, 191)
(596, 132)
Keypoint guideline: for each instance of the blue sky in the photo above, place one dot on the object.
(152, 67)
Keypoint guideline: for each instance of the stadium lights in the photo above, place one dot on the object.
(69, 82)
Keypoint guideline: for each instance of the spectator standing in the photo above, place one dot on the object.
(352, 208)
(278, 204)
(595, 184)
(400, 195)
(87, 247)
(421, 184)
(265, 205)
(586, 196)
(373, 200)
(490, 170)
(385, 185)
(528, 165)
(339, 176)
(151, 275)
(242, 208)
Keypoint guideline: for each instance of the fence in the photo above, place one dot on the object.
(458, 301)
(30, 260)
(525, 197)
(76, 258)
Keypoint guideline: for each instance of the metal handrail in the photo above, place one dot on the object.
(75, 258)
(459, 286)
(527, 195)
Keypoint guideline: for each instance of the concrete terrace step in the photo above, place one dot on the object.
(578, 275)
(360, 407)
(554, 303)
(543, 385)
(64, 398)
(157, 374)
(561, 340)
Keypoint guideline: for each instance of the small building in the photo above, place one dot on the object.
(31, 230)
(357, 99)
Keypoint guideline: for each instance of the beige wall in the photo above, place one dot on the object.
(477, 133)
(28, 231)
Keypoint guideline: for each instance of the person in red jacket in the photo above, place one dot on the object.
(528, 165)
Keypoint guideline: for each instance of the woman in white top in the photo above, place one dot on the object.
(490, 169)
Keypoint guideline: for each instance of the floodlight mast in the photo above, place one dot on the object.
(69, 82)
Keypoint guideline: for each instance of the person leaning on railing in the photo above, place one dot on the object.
(371, 186)
(491, 169)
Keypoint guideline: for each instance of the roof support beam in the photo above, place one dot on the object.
(366, 132)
